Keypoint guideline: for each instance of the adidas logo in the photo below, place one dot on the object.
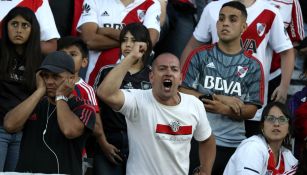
(211, 65)
(105, 13)
(128, 86)
(86, 8)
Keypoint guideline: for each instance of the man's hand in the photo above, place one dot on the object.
(138, 50)
(199, 171)
(280, 94)
(40, 84)
(215, 106)
(111, 152)
(66, 87)
(220, 103)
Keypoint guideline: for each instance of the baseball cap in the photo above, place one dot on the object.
(58, 62)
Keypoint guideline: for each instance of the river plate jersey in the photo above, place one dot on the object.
(209, 70)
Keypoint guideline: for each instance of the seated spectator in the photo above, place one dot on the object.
(111, 157)
(56, 126)
(20, 56)
(101, 22)
(41, 8)
(268, 152)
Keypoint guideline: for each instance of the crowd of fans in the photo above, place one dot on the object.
(153, 87)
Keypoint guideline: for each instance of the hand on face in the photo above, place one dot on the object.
(40, 83)
(66, 87)
(138, 50)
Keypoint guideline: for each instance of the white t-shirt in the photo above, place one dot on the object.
(264, 34)
(114, 14)
(291, 14)
(42, 12)
(159, 136)
(252, 156)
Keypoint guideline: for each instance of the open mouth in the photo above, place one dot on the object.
(167, 84)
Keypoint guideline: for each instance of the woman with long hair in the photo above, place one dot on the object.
(111, 156)
(268, 152)
(20, 56)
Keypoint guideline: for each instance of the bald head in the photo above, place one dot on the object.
(163, 57)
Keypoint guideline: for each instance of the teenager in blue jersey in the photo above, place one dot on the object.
(228, 80)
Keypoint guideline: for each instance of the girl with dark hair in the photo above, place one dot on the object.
(111, 155)
(20, 56)
(266, 153)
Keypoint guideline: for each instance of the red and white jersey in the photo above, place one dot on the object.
(114, 14)
(85, 91)
(254, 156)
(264, 34)
(43, 14)
(159, 135)
(291, 14)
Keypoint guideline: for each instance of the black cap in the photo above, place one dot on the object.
(58, 62)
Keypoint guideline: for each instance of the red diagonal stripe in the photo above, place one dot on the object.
(33, 5)
(266, 17)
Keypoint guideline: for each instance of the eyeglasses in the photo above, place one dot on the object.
(272, 119)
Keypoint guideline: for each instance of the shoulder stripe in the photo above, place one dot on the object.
(194, 52)
(248, 54)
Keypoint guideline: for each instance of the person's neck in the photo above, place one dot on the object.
(172, 101)
(77, 78)
(126, 2)
(19, 49)
(136, 67)
(275, 146)
(51, 100)
(230, 48)
(247, 3)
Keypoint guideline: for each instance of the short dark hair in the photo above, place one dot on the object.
(237, 5)
(284, 109)
(140, 33)
(69, 41)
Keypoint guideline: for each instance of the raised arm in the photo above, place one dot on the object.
(207, 152)
(15, 119)
(109, 90)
